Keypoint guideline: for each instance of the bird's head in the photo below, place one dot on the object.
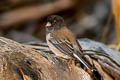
(54, 22)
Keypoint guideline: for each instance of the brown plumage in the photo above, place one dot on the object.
(63, 42)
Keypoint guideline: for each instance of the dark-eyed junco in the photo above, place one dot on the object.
(62, 42)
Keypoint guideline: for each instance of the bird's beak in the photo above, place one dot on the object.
(48, 24)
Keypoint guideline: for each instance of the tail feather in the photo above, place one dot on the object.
(85, 63)
(90, 68)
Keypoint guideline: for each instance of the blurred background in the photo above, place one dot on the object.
(24, 20)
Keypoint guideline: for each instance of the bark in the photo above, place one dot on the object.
(30, 62)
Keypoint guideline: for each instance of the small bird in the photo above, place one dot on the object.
(62, 41)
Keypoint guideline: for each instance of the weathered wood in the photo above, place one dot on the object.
(106, 60)
(30, 62)
(20, 62)
(110, 65)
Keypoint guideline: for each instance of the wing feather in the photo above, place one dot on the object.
(63, 46)
(70, 47)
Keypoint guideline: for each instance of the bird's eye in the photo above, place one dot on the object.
(54, 21)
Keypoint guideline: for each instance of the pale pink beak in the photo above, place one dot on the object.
(48, 24)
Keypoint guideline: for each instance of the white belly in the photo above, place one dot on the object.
(54, 49)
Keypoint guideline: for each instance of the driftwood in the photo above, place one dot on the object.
(29, 62)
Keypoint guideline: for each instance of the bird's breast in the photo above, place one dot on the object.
(56, 51)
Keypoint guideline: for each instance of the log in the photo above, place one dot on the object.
(37, 62)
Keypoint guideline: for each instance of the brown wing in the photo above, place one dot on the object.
(67, 44)
(63, 45)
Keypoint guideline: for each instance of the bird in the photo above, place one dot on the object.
(62, 41)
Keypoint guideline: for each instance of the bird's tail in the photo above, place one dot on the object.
(90, 68)
(84, 62)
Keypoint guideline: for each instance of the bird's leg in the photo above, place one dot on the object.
(55, 57)
(70, 62)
